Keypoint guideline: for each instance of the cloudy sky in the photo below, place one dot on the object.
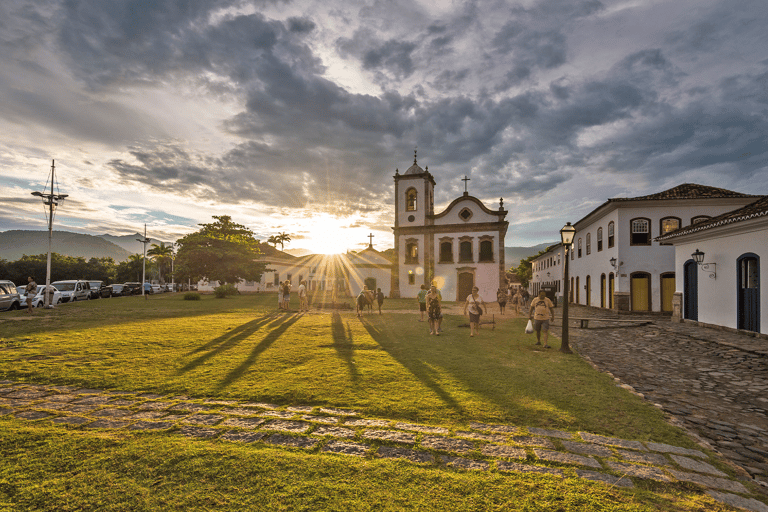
(293, 115)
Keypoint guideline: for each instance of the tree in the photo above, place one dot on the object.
(282, 239)
(130, 270)
(161, 254)
(221, 251)
(273, 240)
(524, 269)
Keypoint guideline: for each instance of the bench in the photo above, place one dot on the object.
(584, 322)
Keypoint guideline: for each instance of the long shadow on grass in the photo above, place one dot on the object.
(227, 341)
(343, 343)
(416, 366)
(278, 328)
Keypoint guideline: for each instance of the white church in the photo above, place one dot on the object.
(456, 249)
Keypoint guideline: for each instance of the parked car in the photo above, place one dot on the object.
(156, 288)
(73, 290)
(116, 290)
(132, 288)
(99, 290)
(9, 298)
(38, 300)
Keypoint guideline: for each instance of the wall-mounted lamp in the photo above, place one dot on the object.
(698, 257)
(613, 263)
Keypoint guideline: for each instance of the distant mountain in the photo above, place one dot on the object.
(298, 252)
(513, 255)
(130, 242)
(16, 243)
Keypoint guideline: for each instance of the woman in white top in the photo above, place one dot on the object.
(475, 306)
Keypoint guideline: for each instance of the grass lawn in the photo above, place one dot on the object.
(242, 348)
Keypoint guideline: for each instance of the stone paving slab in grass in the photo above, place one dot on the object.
(88, 391)
(539, 442)
(33, 415)
(587, 449)
(504, 465)
(120, 402)
(294, 442)
(643, 458)
(367, 423)
(201, 432)
(446, 444)
(491, 438)
(503, 429)
(550, 433)
(739, 502)
(301, 408)
(338, 412)
(461, 462)
(151, 425)
(203, 419)
(334, 431)
(326, 420)
(709, 481)
(390, 435)
(157, 406)
(243, 422)
(71, 420)
(278, 414)
(287, 426)
(240, 411)
(60, 398)
(606, 479)
(52, 406)
(645, 472)
(219, 402)
(112, 413)
(567, 458)
(394, 452)
(5, 410)
(108, 424)
(347, 448)
(612, 441)
(510, 452)
(186, 407)
(242, 437)
(27, 394)
(92, 400)
(665, 448)
(261, 405)
(151, 396)
(422, 428)
(697, 465)
(80, 408)
(149, 415)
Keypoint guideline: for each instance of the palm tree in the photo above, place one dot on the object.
(282, 239)
(161, 254)
(273, 240)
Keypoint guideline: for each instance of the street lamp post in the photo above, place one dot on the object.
(144, 241)
(51, 201)
(566, 235)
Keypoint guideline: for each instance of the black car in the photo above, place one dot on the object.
(99, 290)
(132, 289)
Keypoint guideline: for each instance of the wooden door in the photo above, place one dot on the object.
(602, 291)
(667, 291)
(611, 286)
(466, 282)
(589, 291)
(749, 293)
(577, 291)
(640, 284)
(691, 291)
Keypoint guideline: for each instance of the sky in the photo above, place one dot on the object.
(292, 116)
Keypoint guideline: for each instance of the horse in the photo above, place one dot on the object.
(365, 298)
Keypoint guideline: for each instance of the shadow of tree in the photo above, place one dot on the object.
(225, 342)
(419, 368)
(278, 328)
(343, 343)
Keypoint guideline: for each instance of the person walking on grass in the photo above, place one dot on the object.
(517, 300)
(286, 294)
(501, 298)
(434, 313)
(379, 298)
(440, 318)
(542, 310)
(31, 290)
(474, 305)
(303, 302)
(422, 299)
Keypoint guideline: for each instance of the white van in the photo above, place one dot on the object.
(73, 290)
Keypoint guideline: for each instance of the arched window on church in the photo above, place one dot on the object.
(412, 252)
(486, 249)
(446, 252)
(410, 200)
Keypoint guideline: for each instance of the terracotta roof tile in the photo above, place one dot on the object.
(687, 191)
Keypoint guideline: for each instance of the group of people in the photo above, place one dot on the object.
(366, 297)
(284, 296)
(518, 298)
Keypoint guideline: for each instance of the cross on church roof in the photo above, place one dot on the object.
(465, 180)
(370, 244)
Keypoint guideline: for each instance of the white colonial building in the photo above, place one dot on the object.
(458, 248)
(615, 262)
(724, 289)
(547, 270)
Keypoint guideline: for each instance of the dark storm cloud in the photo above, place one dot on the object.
(391, 56)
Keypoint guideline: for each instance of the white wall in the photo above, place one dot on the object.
(717, 298)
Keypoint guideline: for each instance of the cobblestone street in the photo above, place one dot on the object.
(713, 381)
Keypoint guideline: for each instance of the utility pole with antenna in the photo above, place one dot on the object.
(51, 201)
(144, 241)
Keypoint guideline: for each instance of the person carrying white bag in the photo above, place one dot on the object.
(541, 311)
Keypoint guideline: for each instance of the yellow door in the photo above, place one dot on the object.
(640, 293)
(589, 291)
(667, 291)
(610, 291)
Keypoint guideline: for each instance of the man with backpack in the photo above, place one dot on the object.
(541, 311)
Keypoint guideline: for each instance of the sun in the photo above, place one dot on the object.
(328, 234)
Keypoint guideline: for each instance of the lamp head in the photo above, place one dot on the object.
(37, 194)
(567, 233)
(613, 262)
(698, 256)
